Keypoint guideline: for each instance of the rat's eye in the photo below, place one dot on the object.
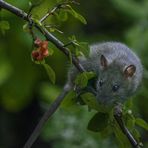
(101, 82)
(115, 88)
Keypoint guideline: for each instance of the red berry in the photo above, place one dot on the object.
(44, 44)
(45, 53)
(38, 42)
(35, 54)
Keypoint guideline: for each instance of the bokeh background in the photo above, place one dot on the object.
(26, 92)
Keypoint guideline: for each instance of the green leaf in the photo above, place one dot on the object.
(70, 99)
(76, 15)
(129, 119)
(51, 51)
(62, 16)
(4, 25)
(90, 75)
(30, 4)
(106, 132)
(82, 78)
(81, 48)
(130, 123)
(84, 48)
(136, 134)
(26, 27)
(39, 62)
(129, 103)
(99, 122)
(73, 38)
(142, 123)
(92, 102)
(50, 72)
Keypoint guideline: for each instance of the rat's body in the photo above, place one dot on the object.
(119, 71)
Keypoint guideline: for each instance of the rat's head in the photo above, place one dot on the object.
(114, 83)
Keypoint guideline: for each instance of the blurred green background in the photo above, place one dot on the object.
(26, 92)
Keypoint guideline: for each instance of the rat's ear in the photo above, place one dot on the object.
(129, 71)
(103, 61)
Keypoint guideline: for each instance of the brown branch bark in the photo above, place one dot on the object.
(20, 13)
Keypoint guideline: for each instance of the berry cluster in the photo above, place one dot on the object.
(42, 50)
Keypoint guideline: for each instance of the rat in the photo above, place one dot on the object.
(118, 72)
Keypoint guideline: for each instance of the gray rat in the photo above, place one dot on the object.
(118, 69)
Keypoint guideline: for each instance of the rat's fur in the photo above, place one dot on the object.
(120, 67)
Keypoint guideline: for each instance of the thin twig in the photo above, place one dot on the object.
(53, 107)
(55, 8)
(48, 13)
(118, 117)
(68, 44)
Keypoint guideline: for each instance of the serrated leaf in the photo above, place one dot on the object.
(98, 122)
(142, 123)
(82, 78)
(76, 15)
(69, 100)
(50, 72)
(92, 102)
(4, 25)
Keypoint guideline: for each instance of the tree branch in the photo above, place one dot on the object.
(53, 107)
(118, 117)
(57, 7)
(20, 13)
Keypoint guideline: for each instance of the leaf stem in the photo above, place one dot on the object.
(48, 13)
